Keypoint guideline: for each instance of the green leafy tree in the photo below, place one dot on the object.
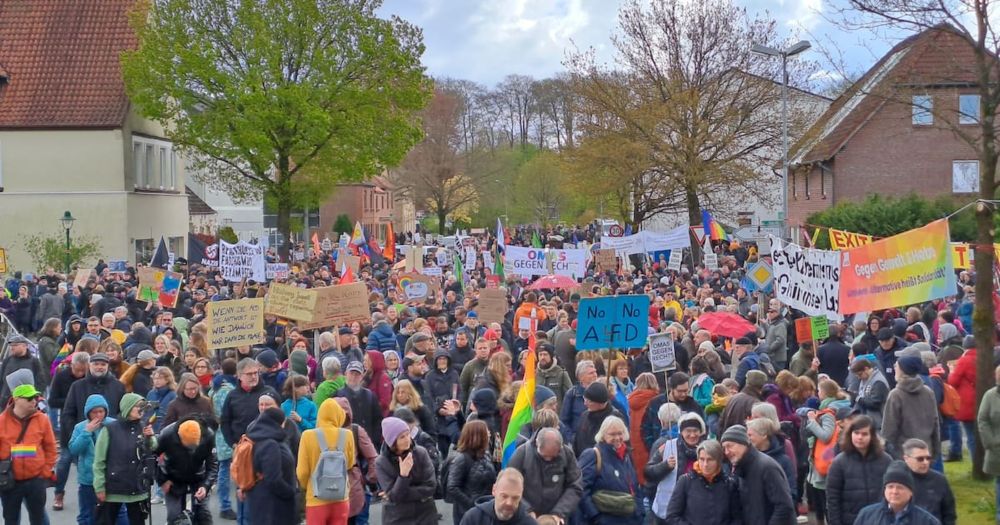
(228, 234)
(50, 250)
(280, 98)
(343, 225)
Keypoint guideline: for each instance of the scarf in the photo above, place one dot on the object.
(621, 451)
(708, 477)
(205, 380)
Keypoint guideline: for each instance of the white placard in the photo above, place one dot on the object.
(661, 352)
(242, 261)
(807, 279)
(528, 262)
(675, 261)
(711, 261)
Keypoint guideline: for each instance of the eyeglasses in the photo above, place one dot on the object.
(922, 459)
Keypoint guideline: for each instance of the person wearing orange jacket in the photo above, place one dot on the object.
(27, 440)
(529, 309)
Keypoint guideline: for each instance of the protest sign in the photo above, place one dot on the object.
(963, 256)
(3, 260)
(170, 288)
(492, 305)
(433, 271)
(711, 261)
(417, 287)
(470, 256)
(150, 280)
(290, 302)
(82, 276)
(820, 327)
(661, 352)
(235, 323)
(529, 262)
(326, 245)
(339, 305)
(675, 261)
(841, 240)
(242, 261)
(118, 266)
(613, 322)
(803, 329)
(276, 271)
(354, 263)
(488, 261)
(649, 241)
(605, 259)
(807, 279)
(909, 268)
(442, 257)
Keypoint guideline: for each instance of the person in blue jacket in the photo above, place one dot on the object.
(81, 446)
(297, 405)
(608, 466)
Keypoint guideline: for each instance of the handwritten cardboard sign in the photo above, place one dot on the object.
(290, 302)
(417, 287)
(606, 259)
(235, 323)
(82, 276)
(613, 322)
(339, 305)
(492, 305)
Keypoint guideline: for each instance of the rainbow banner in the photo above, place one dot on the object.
(523, 408)
(713, 230)
(904, 269)
(23, 451)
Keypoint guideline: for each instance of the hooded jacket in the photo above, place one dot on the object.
(82, 443)
(330, 422)
(272, 499)
(365, 455)
(550, 487)
(182, 465)
(379, 382)
(122, 459)
(555, 378)
(460, 356)
(963, 378)
(911, 411)
(409, 500)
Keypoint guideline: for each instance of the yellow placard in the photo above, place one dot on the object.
(235, 323)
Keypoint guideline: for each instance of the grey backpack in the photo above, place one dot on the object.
(329, 478)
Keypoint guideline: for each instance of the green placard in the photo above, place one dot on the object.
(820, 328)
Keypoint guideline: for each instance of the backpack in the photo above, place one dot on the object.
(442, 486)
(764, 362)
(241, 469)
(825, 451)
(329, 478)
(950, 402)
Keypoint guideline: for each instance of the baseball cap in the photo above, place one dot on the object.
(355, 366)
(411, 359)
(26, 392)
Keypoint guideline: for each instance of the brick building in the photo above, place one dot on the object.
(370, 203)
(894, 131)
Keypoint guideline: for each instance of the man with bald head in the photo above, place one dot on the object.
(506, 506)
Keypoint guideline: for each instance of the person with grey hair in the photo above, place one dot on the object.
(573, 405)
(672, 457)
(552, 485)
(507, 505)
(707, 494)
(611, 492)
(333, 380)
(931, 490)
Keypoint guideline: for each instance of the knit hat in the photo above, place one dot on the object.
(298, 362)
(392, 428)
(146, 355)
(190, 433)
(885, 334)
(23, 376)
(756, 379)
(545, 347)
(736, 434)
(898, 472)
(742, 341)
(275, 415)
(910, 365)
(543, 394)
(597, 392)
(128, 402)
(268, 359)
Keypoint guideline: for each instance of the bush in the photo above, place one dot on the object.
(50, 250)
(228, 234)
(343, 225)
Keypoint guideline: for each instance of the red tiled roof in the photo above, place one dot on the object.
(62, 63)
(906, 62)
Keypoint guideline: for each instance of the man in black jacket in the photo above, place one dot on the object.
(834, 356)
(551, 475)
(365, 410)
(597, 399)
(678, 393)
(98, 381)
(930, 489)
(188, 465)
(240, 407)
(764, 492)
(505, 506)
(61, 384)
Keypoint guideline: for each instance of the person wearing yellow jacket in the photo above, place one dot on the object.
(329, 422)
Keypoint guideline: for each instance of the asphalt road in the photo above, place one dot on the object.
(68, 515)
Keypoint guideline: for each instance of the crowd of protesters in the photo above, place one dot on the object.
(414, 403)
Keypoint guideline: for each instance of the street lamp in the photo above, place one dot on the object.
(67, 223)
(784, 54)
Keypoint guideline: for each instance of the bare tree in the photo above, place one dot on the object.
(977, 69)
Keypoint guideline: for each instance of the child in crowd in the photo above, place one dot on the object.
(297, 405)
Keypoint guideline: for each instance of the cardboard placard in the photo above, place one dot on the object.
(3, 260)
(606, 259)
(235, 323)
(339, 305)
(493, 281)
(417, 287)
(661, 352)
(492, 305)
(290, 302)
(82, 276)
(820, 327)
(276, 270)
(433, 271)
(803, 329)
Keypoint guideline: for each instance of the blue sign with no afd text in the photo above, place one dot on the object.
(613, 322)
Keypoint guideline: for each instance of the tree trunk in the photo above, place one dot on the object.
(694, 219)
(283, 200)
(442, 217)
(983, 324)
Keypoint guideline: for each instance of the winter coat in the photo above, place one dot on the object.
(472, 370)
(963, 378)
(469, 478)
(382, 338)
(379, 382)
(661, 478)
(11, 364)
(331, 423)
(550, 487)
(81, 443)
(651, 427)
(590, 423)
(47, 351)
(853, 482)
(142, 382)
(571, 410)
(880, 514)
(555, 378)
(887, 360)
(223, 450)
(701, 389)
(183, 407)
(409, 500)
(932, 493)
(163, 397)
(183, 466)
(637, 404)
(697, 500)
(775, 341)
(834, 360)
(778, 453)
(305, 408)
(72, 412)
(764, 492)
(239, 410)
(461, 356)
(616, 475)
(484, 513)
(911, 412)
(272, 499)
(61, 381)
(738, 409)
(988, 421)
(872, 395)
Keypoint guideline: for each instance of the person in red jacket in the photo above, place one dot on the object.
(26, 438)
(963, 378)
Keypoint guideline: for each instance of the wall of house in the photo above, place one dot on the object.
(809, 191)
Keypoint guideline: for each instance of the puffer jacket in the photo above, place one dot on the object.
(911, 411)
(764, 493)
(880, 514)
(382, 337)
(963, 378)
(81, 443)
(776, 451)
(182, 465)
(853, 482)
(409, 500)
(616, 475)
(469, 478)
(696, 499)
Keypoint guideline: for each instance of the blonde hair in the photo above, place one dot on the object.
(167, 374)
(499, 369)
(415, 401)
(646, 381)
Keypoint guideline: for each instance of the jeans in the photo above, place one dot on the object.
(62, 469)
(109, 513)
(31, 493)
(224, 489)
(87, 500)
(54, 420)
(953, 433)
(242, 512)
(176, 500)
(970, 435)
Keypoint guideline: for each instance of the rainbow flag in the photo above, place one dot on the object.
(21, 450)
(64, 352)
(523, 407)
(713, 230)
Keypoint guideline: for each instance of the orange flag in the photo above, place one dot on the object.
(346, 275)
(315, 241)
(389, 252)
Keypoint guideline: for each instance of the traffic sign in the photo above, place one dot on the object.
(757, 233)
(760, 274)
(616, 231)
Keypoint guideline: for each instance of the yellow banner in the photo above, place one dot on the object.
(963, 255)
(841, 240)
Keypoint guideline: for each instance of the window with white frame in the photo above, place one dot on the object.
(155, 164)
(965, 176)
(923, 105)
(968, 109)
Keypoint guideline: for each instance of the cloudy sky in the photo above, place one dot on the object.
(484, 40)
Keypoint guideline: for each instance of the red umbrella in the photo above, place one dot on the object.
(725, 324)
(554, 282)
